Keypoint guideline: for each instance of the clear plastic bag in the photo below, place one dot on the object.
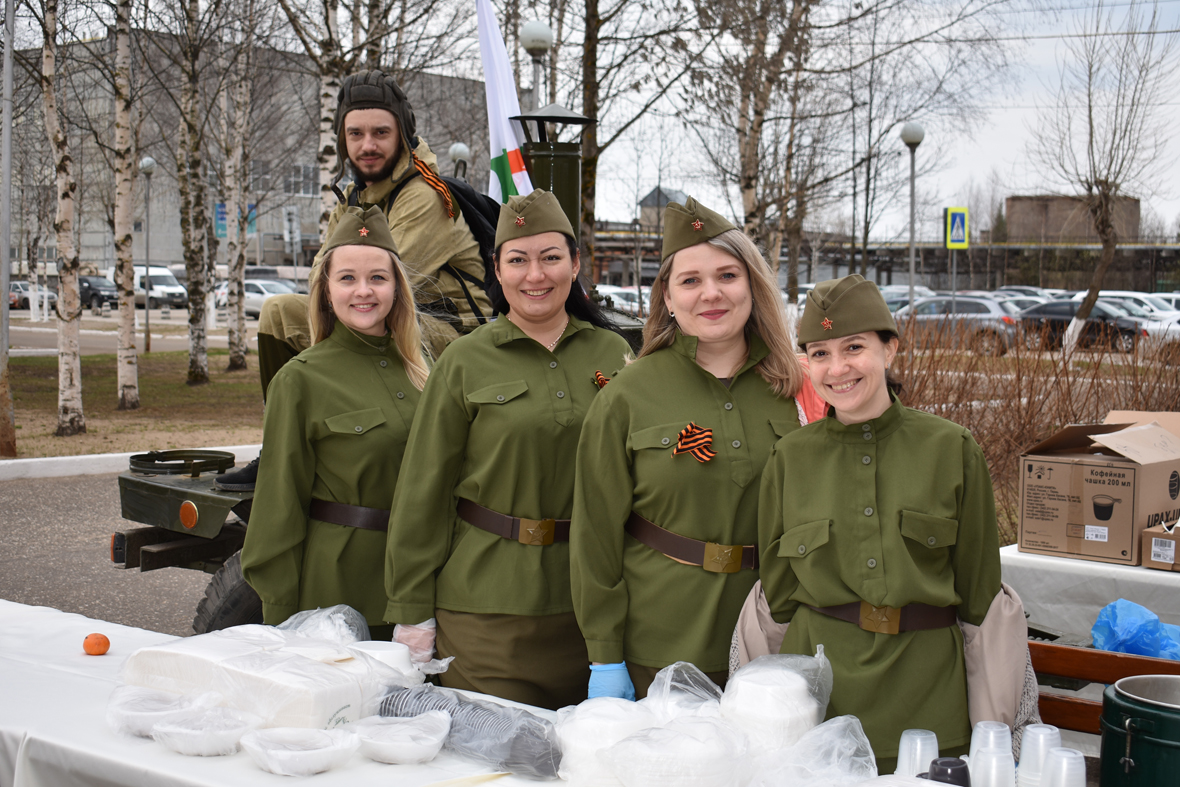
(680, 689)
(775, 699)
(401, 741)
(688, 752)
(289, 751)
(340, 624)
(207, 732)
(583, 730)
(1126, 627)
(133, 710)
(833, 754)
(507, 739)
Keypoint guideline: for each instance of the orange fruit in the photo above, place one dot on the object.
(96, 644)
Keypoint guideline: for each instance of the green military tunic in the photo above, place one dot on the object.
(498, 425)
(633, 602)
(336, 424)
(894, 511)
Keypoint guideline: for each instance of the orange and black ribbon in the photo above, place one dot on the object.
(600, 379)
(696, 441)
(435, 183)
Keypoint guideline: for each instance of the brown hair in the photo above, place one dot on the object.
(781, 366)
(402, 320)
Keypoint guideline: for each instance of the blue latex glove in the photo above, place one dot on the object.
(611, 680)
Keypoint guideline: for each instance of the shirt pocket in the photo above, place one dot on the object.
(802, 540)
(662, 436)
(358, 422)
(500, 393)
(931, 532)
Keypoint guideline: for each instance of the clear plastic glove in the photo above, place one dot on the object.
(419, 639)
(611, 680)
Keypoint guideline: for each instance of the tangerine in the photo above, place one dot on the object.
(96, 644)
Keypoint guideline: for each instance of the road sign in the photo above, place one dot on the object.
(956, 233)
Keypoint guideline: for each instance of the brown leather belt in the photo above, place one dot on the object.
(891, 620)
(350, 516)
(718, 558)
(530, 532)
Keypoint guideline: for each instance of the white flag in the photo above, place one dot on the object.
(508, 175)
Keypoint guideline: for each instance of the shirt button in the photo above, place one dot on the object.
(737, 443)
(665, 441)
(865, 427)
(553, 364)
(932, 541)
(802, 549)
(500, 398)
(360, 428)
(401, 395)
(872, 562)
(729, 405)
(868, 511)
(868, 435)
(561, 394)
(866, 459)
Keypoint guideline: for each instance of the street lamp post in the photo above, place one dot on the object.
(912, 135)
(537, 40)
(147, 166)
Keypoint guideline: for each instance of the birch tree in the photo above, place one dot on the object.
(127, 359)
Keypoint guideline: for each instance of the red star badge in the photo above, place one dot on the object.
(827, 324)
(698, 225)
(364, 232)
(520, 221)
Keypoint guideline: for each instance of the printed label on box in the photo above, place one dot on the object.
(1163, 551)
(1096, 533)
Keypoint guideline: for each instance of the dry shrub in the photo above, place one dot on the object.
(1014, 400)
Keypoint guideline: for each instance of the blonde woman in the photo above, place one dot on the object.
(337, 419)
(665, 526)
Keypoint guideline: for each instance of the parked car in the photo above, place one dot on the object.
(1149, 303)
(165, 288)
(1024, 289)
(1023, 302)
(94, 291)
(19, 294)
(257, 291)
(1170, 298)
(988, 326)
(626, 299)
(1045, 325)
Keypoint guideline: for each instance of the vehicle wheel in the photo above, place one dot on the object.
(228, 601)
(24, 304)
(1125, 343)
(987, 343)
(96, 303)
(153, 303)
(252, 315)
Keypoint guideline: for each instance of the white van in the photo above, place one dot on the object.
(165, 287)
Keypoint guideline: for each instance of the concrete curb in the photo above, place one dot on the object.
(94, 464)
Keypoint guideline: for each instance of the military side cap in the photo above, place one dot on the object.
(689, 224)
(531, 214)
(841, 307)
(358, 227)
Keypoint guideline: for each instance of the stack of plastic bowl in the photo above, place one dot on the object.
(1034, 748)
(915, 752)
(989, 735)
(1064, 768)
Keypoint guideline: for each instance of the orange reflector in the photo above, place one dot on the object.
(113, 535)
(188, 514)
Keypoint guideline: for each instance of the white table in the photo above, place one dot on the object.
(1067, 594)
(53, 730)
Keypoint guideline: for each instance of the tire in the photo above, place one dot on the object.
(1125, 342)
(96, 303)
(228, 601)
(24, 303)
(153, 303)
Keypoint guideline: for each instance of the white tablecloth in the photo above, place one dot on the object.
(53, 730)
(1066, 594)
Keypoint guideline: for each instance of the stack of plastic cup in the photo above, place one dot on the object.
(1034, 748)
(1064, 768)
(916, 750)
(992, 767)
(989, 735)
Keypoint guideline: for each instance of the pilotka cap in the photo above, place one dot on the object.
(689, 224)
(531, 214)
(841, 307)
(358, 227)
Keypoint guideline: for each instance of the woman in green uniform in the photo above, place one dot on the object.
(337, 419)
(479, 536)
(878, 529)
(665, 510)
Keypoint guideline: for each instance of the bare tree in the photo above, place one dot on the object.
(1106, 132)
(127, 364)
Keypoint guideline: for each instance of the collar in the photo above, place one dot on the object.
(687, 346)
(345, 337)
(504, 330)
(882, 426)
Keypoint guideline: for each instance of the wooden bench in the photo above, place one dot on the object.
(1093, 666)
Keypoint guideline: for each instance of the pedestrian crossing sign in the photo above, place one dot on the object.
(957, 236)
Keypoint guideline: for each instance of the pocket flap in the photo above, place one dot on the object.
(802, 540)
(783, 427)
(662, 436)
(929, 531)
(357, 422)
(498, 393)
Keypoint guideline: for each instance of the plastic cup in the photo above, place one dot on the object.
(948, 770)
(991, 767)
(916, 750)
(1064, 768)
(989, 735)
(1034, 747)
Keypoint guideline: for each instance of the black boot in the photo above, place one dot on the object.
(241, 480)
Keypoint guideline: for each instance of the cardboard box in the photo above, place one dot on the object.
(1090, 491)
(1159, 548)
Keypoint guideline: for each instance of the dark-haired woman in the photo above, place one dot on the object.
(479, 533)
(878, 531)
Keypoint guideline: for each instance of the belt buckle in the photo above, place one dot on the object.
(722, 559)
(879, 620)
(536, 532)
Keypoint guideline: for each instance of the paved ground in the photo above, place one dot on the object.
(56, 534)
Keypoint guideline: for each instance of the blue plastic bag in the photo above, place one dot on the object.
(1127, 627)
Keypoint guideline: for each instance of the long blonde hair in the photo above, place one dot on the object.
(781, 366)
(402, 320)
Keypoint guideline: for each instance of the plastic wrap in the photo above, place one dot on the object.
(583, 730)
(133, 710)
(1126, 627)
(832, 754)
(680, 689)
(340, 624)
(298, 752)
(405, 741)
(507, 739)
(775, 699)
(688, 752)
(207, 732)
